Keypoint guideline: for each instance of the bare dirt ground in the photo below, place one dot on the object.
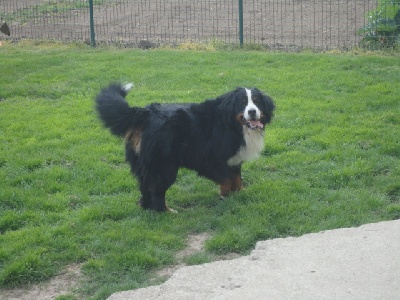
(195, 244)
(61, 284)
(68, 280)
(297, 24)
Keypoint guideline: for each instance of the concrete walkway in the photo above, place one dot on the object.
(349, 263)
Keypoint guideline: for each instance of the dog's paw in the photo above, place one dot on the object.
(171, 210)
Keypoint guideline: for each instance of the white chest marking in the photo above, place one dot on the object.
(251, 150)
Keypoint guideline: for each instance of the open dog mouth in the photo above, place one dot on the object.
(252, 124)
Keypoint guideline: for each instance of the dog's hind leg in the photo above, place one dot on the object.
(158, 200)
(145, 200)
(153, 199)
(160, 183)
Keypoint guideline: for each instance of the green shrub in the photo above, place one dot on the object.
(383, 27)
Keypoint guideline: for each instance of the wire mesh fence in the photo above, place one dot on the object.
(274, 24)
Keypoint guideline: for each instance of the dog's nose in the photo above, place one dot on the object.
(252, 113)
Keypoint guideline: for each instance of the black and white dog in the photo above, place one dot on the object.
(213, 138)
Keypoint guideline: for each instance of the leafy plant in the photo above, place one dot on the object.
(383, 27)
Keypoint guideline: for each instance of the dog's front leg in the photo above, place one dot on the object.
(225, 188)
(233, 183)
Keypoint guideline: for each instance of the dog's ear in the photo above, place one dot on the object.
(268, 106)
(229, 103)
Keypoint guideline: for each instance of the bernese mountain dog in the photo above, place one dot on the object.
(213, 138)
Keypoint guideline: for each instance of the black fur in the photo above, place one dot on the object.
(161, 138)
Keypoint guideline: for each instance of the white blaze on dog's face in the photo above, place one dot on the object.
(252, 113)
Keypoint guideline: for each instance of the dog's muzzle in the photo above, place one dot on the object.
(253, 124)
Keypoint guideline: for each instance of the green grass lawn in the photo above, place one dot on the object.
(66, 195)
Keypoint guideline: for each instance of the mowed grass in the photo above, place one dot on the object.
(67, 197)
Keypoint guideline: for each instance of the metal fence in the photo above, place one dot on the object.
(275, 24)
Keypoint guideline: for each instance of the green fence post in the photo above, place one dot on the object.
(241, 22)
(92, 35)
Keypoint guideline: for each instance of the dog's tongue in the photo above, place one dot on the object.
(256, 123)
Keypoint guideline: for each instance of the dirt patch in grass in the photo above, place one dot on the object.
(65, 282)
(195, 245)
(62, 284)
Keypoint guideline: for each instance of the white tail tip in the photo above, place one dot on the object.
(127, 87)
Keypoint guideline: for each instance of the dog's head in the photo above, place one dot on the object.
(248, 107)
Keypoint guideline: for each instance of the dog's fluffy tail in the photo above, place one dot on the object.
(116, 113)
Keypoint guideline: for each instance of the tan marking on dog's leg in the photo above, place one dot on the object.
(225, 188)
(236, 183)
